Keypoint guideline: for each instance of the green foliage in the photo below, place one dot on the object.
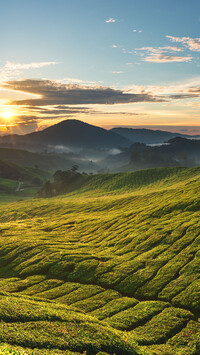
(94, 273)
(134, 316)
(163, 325)
(34, 324)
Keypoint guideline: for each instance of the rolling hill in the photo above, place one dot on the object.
(112, 268)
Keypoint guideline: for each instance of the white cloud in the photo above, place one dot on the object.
(17, 66)
(115, 46)
(182, 89)
(160, 58)
(193, 44)
(78, 81)
(162, 54)
(12, 70)
(161, 49)
(117, 72)
(110, 20)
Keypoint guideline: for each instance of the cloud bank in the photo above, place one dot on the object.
(53, 93)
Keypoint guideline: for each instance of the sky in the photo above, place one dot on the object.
(130, 63)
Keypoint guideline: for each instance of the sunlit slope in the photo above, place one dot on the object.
(125, 265)
(126, 182)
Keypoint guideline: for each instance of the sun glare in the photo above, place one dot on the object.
(7, 115)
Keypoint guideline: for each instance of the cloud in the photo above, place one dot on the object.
(117, 72)
(119, 113)
(160, 58)
(184, 96)
(13, 70)
(167, 54)
(54, 93)
(157, 50)
(110, 20)
(189, 89)
(22, 124)
(193, 44)
(78, 81)
(59, 110)
(195, 90)
(17, 66)
(162, 54)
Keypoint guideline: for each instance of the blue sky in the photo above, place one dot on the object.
(130, 63)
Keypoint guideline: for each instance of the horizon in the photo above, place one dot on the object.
(108, 64)
(189, 131)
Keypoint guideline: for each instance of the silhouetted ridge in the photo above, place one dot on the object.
(75, 133)
(148, 136)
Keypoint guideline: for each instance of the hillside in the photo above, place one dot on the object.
(13, 171)
(69, 133)
(117, 273)
(11, 174)
(49, 161)
(178, 151)
(68, 181)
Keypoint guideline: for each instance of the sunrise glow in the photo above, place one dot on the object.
(7, 115)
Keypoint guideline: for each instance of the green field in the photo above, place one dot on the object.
(111, 268)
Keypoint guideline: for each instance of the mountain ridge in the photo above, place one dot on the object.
(149, 136)
(74, 133)
(71, 133)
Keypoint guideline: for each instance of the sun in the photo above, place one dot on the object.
(7, 115)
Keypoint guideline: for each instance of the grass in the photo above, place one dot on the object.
(111, 268)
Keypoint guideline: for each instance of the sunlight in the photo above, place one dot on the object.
(7, 115)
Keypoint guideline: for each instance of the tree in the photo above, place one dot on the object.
(74, 168)
(47, 190)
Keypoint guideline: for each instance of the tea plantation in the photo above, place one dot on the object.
(111, 268)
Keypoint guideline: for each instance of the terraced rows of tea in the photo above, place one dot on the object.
(114, 274)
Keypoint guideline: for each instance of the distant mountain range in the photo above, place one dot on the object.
(70, 133)
(77, 134)
(148, 136)
(94, 149)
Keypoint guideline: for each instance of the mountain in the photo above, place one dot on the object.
(70, 133)
(147, 136)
